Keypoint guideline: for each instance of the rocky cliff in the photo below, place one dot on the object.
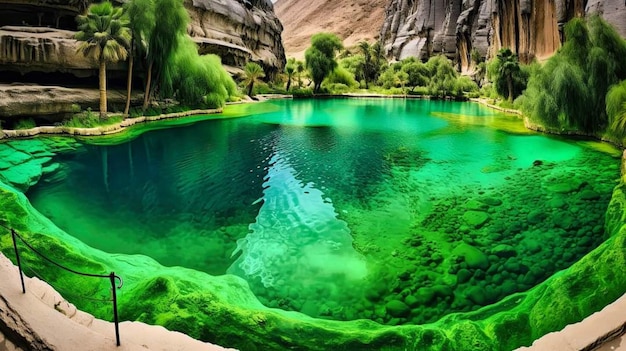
(36, 35)
(238, 31)
(531, 28)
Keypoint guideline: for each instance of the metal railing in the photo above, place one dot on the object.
(112, 277)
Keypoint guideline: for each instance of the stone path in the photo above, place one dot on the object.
(42, 320)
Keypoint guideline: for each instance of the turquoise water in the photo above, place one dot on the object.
(399, 211)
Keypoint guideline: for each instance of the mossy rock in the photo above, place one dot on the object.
(475, 219)
(474, 257)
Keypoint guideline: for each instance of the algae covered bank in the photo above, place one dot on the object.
(338, 224)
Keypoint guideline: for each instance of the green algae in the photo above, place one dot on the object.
(222, 309)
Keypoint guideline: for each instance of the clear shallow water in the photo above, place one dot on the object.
(397, 211)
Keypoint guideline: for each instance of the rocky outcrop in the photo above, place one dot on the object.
(238, 31)
(37, 35)
(456, 28)
(37, 100)
(41, 49)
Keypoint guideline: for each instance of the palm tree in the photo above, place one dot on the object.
(509, 66)
(105, 36)
(368, 65)
(290, 69)
(141, 15)
(253, 73)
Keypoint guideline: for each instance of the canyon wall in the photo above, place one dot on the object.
(37, 35)
(456, 28)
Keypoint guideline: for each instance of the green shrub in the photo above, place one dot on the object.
(342, 76)
(301, 93)
(25, 123)
(88, 119)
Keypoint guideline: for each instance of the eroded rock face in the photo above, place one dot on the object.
(238, 31)
(37, 35)
(40, 49)
(531, 28)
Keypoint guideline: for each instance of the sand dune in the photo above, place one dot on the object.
(351, 20)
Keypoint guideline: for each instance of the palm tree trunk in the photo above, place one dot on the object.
(129, 83)
(509, 83)
(146, 94)
(288, 84)
(103, 88)
(250, 87)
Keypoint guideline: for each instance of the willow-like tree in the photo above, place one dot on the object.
(198, 80)
(570, 90)
(253, 73)
(320, 57)
(142, 23)
(163, 43)
(105, 36)
(616, 109)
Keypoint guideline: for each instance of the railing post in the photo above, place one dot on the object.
(115, 317)
(19, 263)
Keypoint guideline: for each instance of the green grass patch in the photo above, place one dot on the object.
(88, 119)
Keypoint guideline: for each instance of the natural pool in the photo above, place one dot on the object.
(398, 211)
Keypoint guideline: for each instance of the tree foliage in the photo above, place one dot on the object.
(418, 73)
(142, 26)
(616, 109)
(290, 70)
(253, 73)
(180, 72)
(443, 76)
(104, 36)
(198, 80)
(320, 57)
(570, 90)
(508, 77)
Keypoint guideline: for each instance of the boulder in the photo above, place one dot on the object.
(474, 257)
(504, 251)
(397, 309)
(475, 219)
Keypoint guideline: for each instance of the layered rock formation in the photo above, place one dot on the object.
(238, 31)
(531, 28)
(37, 35)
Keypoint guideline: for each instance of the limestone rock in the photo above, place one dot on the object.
(458, 27)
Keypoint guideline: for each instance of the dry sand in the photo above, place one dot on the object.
(352, 20)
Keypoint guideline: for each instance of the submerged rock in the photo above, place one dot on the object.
(474, 257)
(397, 308)
(475, 219)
